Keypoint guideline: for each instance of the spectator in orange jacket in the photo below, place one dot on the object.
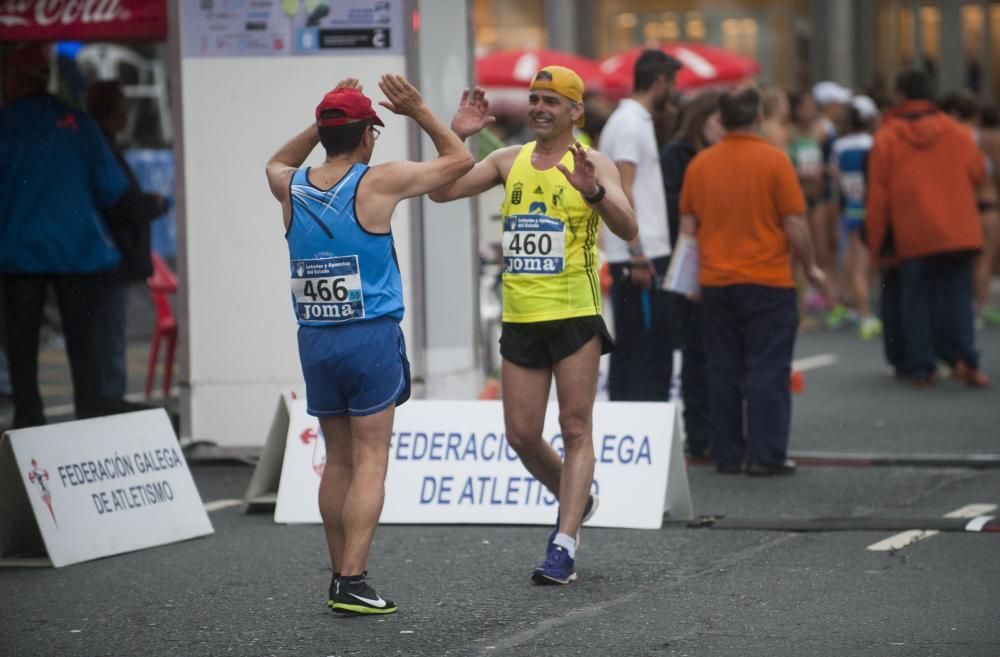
(741, 200)
(923, 172)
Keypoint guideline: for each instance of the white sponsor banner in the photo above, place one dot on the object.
(96, 488)
(450, 463)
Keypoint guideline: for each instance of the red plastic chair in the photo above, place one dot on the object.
(163, 282)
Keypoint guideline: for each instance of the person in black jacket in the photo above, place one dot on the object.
(698, 127)
(128, 221)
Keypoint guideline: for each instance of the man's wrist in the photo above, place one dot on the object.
(597, 196)
(635, 250)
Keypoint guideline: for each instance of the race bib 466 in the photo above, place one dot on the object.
(533, 244)
(327, 289)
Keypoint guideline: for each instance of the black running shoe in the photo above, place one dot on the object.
(353, 595)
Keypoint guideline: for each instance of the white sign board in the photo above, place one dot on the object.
(223, 28)
(96, 488)
(450, 463)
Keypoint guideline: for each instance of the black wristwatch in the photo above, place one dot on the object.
(597, 197)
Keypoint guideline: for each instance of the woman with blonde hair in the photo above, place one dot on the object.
(777, 113)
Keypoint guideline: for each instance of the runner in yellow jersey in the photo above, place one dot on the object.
(557, 191)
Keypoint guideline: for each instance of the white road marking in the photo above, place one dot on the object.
(901, 540)
(216, 505)
(814, 362)
(977, 524)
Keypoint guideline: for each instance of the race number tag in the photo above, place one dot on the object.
(533, 244)
(852, 184)
(327, 289)
(810, 160)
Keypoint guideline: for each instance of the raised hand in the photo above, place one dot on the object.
(583, 177)
(402, 97)
(473, 113)
(349, 83)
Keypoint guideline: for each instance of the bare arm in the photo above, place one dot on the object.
(689, 225)
(614, 208)
(473, 115)
(488, 173)
(406, 179)
(641, 270)
(387, 184)
(797, 231)
(290, 157)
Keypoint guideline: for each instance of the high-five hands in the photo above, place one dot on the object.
(583, 177)
(403, 97)
(349, 83)
(473, 113)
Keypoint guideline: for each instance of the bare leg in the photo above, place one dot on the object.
(338, 474)
(370, 435)
(857, 267)
(819, 224)
(984, 261)
(576, 388)
(525, 396)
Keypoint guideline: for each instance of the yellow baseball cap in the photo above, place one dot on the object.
(561, 80)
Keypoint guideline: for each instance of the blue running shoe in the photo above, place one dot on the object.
(556, 569)
(588, 513)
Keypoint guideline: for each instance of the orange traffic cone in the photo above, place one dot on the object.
(491, 390)
(797, 382)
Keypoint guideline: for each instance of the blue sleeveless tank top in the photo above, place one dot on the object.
(340, 272)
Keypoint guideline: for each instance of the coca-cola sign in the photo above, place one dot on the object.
(88, 20)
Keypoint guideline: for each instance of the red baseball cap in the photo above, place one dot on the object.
(354, 104)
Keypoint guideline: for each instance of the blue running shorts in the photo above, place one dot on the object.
(355, 369)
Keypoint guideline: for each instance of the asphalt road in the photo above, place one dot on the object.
(256, 588)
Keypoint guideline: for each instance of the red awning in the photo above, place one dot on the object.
(83, 20)
(704, 65)
(515, 68)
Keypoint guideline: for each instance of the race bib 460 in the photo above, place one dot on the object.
(533, 244)
(327, 289)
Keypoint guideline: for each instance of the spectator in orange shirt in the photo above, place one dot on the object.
(922, 174)
(741, 200)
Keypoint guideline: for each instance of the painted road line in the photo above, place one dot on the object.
(977, 523)
(216, 505)
(814, 362)
(899, 541)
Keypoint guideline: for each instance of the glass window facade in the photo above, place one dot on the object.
(772, 31)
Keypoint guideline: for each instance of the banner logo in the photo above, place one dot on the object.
(319, 453)
(66, 12)
(38, 476)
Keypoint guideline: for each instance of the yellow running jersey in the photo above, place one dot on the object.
(549, 245)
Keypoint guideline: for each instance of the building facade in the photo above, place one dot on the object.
(860, 43)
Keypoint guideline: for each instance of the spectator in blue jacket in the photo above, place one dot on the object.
(56, 175)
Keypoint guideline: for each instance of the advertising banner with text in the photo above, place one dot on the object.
(450, 463)
(96, 488)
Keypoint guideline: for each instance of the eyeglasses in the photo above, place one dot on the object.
(375, 132)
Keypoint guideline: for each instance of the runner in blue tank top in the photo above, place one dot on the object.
(347, 296)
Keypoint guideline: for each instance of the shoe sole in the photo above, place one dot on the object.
(539, 577)
(359, 610)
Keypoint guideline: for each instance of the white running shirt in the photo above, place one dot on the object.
(629, 136)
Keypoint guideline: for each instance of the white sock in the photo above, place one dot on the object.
(568, 542)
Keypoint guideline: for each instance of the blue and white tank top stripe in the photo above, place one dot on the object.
(340, 272)
(850, 156)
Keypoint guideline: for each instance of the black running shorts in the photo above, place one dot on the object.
(541, 344)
